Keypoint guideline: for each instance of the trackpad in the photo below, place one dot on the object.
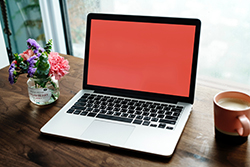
(107, 132)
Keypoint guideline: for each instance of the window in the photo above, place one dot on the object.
(25, 22)
(225, 35)
(40, 20)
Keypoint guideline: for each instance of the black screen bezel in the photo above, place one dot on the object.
(140, 94)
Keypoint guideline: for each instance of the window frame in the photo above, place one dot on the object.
(55, 23)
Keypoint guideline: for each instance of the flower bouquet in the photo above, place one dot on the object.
(43, 67)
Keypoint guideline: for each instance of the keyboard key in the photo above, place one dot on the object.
(153, 115)
(179, 107)
(110, 101)
(138, 112)
(117, 113)
(103, 111)
(124, 106)
(90, 98)
(82, 100)
(110, 112)
(89, 105)
(153, 125)
(153, 110)
(139, 117)
(111, 104)
(109, 108)
(131, 103)
(160, 116)
(137, 104)
(176, 114)
(114, 118)
(84, 113)
(131, 111)
(145, 113)
(96, 106)
(137, 121)
(154, 119)
(170, 128)
(79, 107)
(127, 100)
(146, 118)
(139, 108)
(80, 103)
(145, 105)
(117, 105)
(152, 106)
(124, 102)
(159, 107)
(162, 125)
(171, 117)
(89, 109)
(96, 110)
(116, 109)
(164, 105)
(124, 115)
(131, 115)
(146, 123)
(124, 110)
(71, 110)
(77, 111)
(104, 103)
(131, 107)
(160, 111)
(169, 113)
(86, 95)
(146, 109)
(91, 114)
(176, 110)
(167, 121)
(167, 108)
(103, 107)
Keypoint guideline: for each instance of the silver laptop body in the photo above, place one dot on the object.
(138, 83)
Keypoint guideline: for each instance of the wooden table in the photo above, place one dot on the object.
(21, 143)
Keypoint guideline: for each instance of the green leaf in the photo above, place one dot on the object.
(48, 46)
(42, 66)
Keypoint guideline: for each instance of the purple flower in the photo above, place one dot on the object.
(32, 61)
(37, 49)
(31, 71)
(11, 73)
(32, 43)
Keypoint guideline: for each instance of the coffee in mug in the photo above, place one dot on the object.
(233, 103)
(231, 116)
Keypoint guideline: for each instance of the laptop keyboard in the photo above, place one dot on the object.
(159, 115)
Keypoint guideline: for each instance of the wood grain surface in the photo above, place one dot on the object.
(21, 143)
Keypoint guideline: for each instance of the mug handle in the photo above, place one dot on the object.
(245, 130)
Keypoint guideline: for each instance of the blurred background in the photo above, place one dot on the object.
(225, 32)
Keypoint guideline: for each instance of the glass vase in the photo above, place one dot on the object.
(43, 91)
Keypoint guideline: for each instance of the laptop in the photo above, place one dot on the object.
(138, 84)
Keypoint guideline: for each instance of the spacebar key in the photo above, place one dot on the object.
(110, 117)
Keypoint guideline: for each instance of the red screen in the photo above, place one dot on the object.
(148, 57)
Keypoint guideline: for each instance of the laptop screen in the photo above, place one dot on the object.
(141, 56)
